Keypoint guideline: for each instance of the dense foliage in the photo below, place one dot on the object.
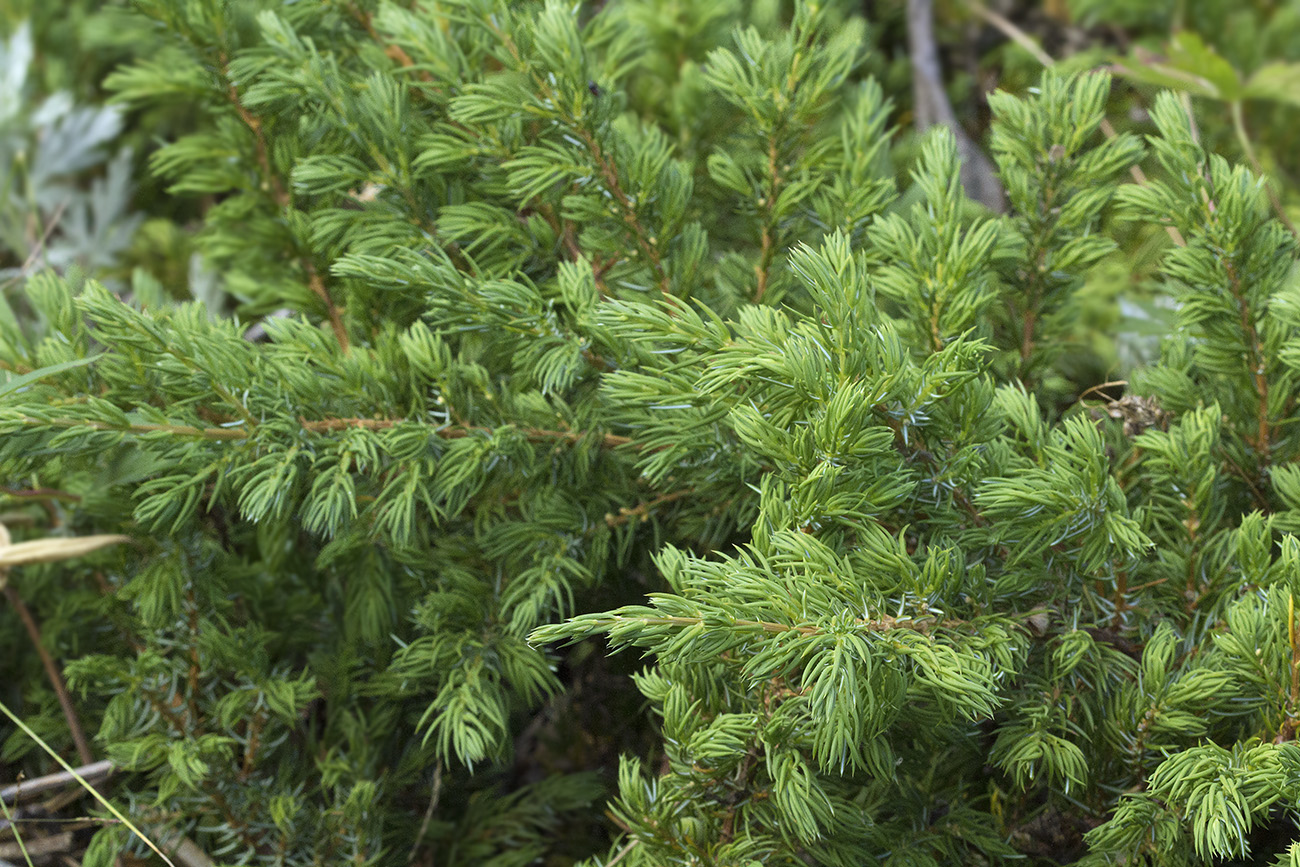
(564, 328)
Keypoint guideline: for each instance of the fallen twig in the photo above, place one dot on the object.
(27, 790)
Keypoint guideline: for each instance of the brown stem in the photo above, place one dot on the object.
(1294, 639)
(52, 672)
(622, 853)
(459, 432)
(564, 231)
(280, 196)
(647, 243)
(1149, 584)
(210, 433)
(728, 825)
(936, 336)
(768, 240)
(434, 796)
(563, 228)
(1027, 338)
(270, 180)
(38, 251)
(252, 745)
(641, 511)
(317, 284)
(254, 839)
(644, 240)
(1192, 523)
(393, 52)
(1035, 281)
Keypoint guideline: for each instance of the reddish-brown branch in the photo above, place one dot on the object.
(251, 745)
(570, 239)
(280, 196)
(641, 511)
(728, 824)
(563, 229)
(167, 709)
(768, 238)
(608, 173)
(435, 793)
(317, 284)
(1027, 337)
(1191, 593)
(644, 240)
(605, 166)
(52, 672)
(458, 432)
(1035, 281)
(393, 52)
(270, 180)
(919, 450)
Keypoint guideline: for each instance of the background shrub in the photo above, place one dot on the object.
(640, 326)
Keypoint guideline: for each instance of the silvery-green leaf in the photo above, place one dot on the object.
(15, 58)
(52, 108)
(72, 143)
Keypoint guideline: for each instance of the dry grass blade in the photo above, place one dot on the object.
(107, 805)
(18, 838)
(54, 549)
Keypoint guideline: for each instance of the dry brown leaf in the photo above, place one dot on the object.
(1139, 413)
